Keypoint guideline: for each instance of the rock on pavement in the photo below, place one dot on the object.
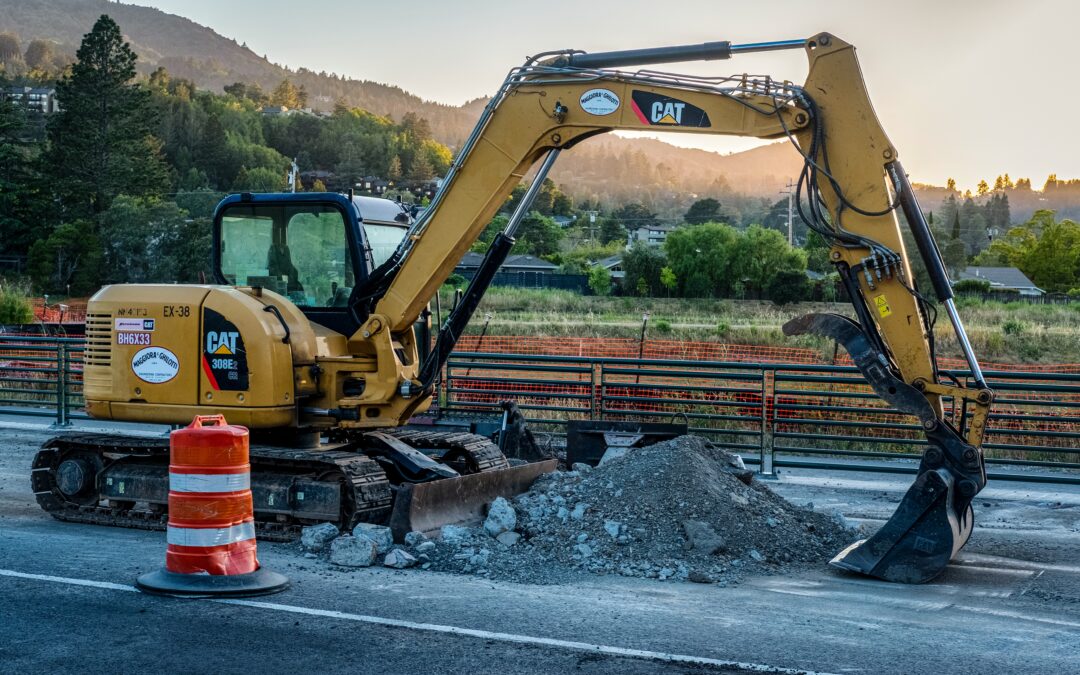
(501, 518)
(383, 537)
(399, 559)
(349, 551)
(316, 537)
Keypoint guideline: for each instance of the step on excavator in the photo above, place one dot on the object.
(307, 335)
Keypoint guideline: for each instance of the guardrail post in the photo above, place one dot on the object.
(596, 401)
(768, 389)
(61, 385)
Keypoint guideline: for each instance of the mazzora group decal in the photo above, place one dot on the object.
(664, 111)
(599, 101)
(224, 359)
(155, 365)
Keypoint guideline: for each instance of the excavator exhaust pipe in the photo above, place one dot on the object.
(934, 519)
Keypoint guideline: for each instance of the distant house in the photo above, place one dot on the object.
(652, 235)
(1007, 279)
(39, 100)
(612, 264)
(563, 221)
(374, 185)
(276, 111)
(470, 262)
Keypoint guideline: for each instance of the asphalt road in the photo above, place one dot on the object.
(1011, 604)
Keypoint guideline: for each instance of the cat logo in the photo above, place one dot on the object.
(667, 113)
(656, 110)
(223, 342)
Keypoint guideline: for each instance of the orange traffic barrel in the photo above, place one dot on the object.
(211, 528)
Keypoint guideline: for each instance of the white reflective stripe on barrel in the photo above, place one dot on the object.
(209, 482)
(210, 536)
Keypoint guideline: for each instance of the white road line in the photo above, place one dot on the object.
(450, 630)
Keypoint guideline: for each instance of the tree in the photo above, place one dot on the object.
(538, 235)
(421, 169)
(288, 95)
(393, 173)
(950, 185)
(703, 211)
(634, 215)
(10, 50)
(702, 257)
(140, 238)
(600, 280)
(100, 143)
(789, 286)
(39, 55)
(668, 279)
(982, 188)
(259, 179)
(642, 265)
(762, 253)
(69, 260)
(611, 230)
(18, 193)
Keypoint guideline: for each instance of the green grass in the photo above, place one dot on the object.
(1013, 332)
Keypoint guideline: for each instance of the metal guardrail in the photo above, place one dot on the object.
(819, 416)
(776, 415)
(42, 377)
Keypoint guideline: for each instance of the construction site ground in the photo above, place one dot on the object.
(1011, 603)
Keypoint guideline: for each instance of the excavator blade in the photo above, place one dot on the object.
(428, 506)
(934, 519)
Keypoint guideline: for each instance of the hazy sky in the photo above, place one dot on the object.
(965, 88)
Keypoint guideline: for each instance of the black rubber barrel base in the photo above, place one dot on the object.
(260, 582)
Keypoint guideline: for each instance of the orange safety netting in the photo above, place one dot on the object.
(688, 350)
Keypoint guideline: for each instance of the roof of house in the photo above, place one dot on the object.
(814, 276)
(610, 261)
(473, 259)
(1002, 277)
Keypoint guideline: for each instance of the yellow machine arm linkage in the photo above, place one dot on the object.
(853, 183)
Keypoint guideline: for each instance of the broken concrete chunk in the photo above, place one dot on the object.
(399, 559)
(584, 550)
(703, 538)
(382, 536)
(508, 539)
(426, 546)
(579, 511)
(756, 555)
(612, 527)
(349, 551)
(501, 518)
(454, 534)
(316, 537)
(613, 453)
(415, 538)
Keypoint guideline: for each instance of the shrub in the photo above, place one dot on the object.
(1014, 327)
(789, 286)
(972, 286)
(15, 308)
(456, 280)
(722, 328)
(663, 325)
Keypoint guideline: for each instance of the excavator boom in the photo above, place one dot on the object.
(854, 187)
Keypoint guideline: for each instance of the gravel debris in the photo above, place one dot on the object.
(683, 510)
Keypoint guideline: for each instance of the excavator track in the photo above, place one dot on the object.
(368, 497)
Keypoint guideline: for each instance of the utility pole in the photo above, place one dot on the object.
(293, 171)
(790, 192)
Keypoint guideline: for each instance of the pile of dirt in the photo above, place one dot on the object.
(683, 509)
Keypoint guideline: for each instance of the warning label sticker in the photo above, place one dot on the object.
(882, 304)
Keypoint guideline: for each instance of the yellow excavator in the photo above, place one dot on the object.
(307, 336)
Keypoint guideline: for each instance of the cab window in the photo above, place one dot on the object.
(301, 252)
(383, 240)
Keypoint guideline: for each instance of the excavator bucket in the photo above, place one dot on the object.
(920, 538)
(428, 506)
(934, 519)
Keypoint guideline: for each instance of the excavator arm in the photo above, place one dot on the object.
(854, 186)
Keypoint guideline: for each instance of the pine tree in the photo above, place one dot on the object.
(100, 143)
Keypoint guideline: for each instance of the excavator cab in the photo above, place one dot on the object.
(315, 249)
